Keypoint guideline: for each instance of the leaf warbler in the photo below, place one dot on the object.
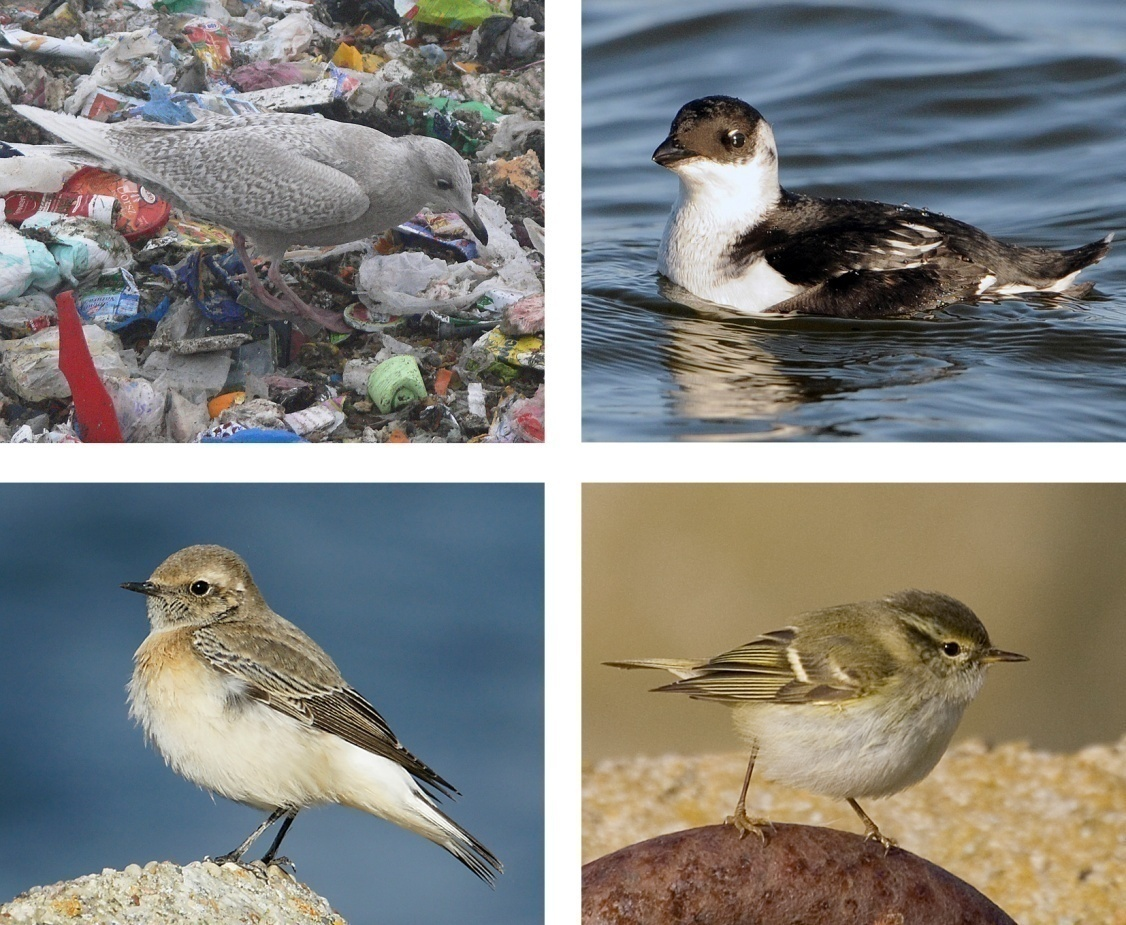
(859, 700)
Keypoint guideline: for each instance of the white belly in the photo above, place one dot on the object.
(856, 752)
(238, 748)
(692, 256)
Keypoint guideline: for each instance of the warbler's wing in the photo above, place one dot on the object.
(773, 667)
(289, 672)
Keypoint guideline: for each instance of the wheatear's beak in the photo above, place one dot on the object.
(141, 587)
(997, 655)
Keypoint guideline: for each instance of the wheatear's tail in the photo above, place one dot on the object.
(384, 788)
(464, 847)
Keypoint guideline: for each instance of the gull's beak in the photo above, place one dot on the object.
(473, 220)
(997, 655)
(669, 153)
(141, 587)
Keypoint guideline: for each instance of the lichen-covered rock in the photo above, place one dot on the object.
(167, 894)
(801, 875)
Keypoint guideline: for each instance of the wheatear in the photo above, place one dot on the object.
(240, 701)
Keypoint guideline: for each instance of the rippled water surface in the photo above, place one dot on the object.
(1009, 114)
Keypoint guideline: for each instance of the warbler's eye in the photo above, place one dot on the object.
(199, 588)
(736, 139)
(444, 184)
(951, 649)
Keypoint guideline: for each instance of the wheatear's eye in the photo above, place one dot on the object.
(199, 588)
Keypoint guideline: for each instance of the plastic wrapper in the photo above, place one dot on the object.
(525, 352)
(34, 173)
(519, 420)
(26, 314)
(112, 300)
(84, 54)
(30, 366)
(24, 264)
(20, 206)
(196, 377)
(129, 57)
(285, 40)
(210, 41)
(81, 247)
(140, 409)
(453, 14)
(322, 418)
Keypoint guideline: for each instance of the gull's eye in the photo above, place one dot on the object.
(952, 649)
(736, 139)
(444, 184)
(199, 588)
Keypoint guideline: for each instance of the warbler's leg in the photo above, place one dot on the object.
(740, 819)
(237, 854)
(871, 830)
(268, 858)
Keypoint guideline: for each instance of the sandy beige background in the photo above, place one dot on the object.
(692, 570)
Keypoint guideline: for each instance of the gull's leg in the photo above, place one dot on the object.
(292, 303)
(870, 828)
(740, 819)
(330, 320)
(237, 854)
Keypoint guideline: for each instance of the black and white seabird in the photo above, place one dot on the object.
(737, 238)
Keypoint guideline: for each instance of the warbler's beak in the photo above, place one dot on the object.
(997, 655)
(141, 587)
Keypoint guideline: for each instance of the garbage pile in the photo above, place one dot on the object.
(123, 316)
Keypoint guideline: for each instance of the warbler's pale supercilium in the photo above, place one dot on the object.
(859, 700)
(240, 701)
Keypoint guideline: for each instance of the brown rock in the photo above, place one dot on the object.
(802, 876)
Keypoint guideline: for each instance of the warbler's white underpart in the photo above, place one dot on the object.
(737, 238)
(854, 701)
(242, 702)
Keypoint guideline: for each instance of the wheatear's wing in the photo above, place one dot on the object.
(287, 671)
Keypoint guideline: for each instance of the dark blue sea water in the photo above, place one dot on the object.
(1009, 114)
(428, 597)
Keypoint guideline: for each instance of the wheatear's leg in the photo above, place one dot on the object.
(268, 857)
(237, 854)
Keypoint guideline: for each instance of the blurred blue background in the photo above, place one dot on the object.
(428, 597)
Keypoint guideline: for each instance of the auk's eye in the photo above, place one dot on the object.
(444, 184)
(736, 139)
(199, 588)
(951, 648)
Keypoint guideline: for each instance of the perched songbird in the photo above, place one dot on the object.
(737, 238)
(859, 700)
(278, 179)
(240, 701)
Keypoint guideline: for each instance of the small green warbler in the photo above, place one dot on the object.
(859, 700)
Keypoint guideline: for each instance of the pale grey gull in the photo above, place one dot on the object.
(278, 179)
